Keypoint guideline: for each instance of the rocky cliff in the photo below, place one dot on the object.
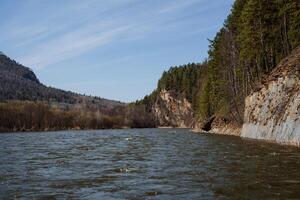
(273, 112)
(172, 109)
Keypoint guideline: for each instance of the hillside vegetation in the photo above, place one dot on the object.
(18, 82)
(40, 116)
(28, 105)
(255, 37)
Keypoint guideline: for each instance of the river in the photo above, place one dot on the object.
(145, 164)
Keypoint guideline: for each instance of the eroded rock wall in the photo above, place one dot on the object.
(173, 110)
(273, 112)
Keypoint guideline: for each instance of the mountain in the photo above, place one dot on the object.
(10, 67)
(18, 82)
(28, 105)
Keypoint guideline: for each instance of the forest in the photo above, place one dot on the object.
(254, 38)
(40, 116)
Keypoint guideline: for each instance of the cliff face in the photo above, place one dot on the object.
(173, 110)
(273, 112)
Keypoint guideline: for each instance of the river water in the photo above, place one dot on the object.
(145, 164)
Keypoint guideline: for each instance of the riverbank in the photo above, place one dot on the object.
(272, 110)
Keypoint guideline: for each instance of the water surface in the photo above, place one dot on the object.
(145, 164)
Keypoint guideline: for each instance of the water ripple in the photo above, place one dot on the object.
(144, 164)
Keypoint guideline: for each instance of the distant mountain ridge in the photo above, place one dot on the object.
(18, 82)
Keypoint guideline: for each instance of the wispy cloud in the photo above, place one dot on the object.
(81, 26)
(177, 5)
(69, 45)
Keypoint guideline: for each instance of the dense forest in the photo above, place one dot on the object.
(255, 37)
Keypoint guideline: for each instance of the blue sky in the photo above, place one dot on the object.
(116, 49)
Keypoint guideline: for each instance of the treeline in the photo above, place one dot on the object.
(184, 80)
(255, 37)
(40, 116)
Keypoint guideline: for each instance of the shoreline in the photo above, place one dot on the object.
(296, 145)
(75, 129)
(193, 130)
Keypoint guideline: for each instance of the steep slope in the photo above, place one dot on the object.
(273, 112)
(8, 67)
(176, 98)
(20, 83)
(254, 38)
(173, 110)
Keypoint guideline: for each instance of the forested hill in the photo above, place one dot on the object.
(255, 37)
(18, 82)
(8, 66)
(28, 105)
(184, 80)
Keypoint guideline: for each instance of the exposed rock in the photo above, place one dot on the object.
(219, 125)
(208, 124)
(173, 110)
(273, 112)
(224, 126)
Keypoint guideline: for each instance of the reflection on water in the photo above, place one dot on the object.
(145, 164)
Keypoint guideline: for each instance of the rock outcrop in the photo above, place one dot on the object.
(225, 126)
(173, 110)
(218, 125)
(272, 112)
